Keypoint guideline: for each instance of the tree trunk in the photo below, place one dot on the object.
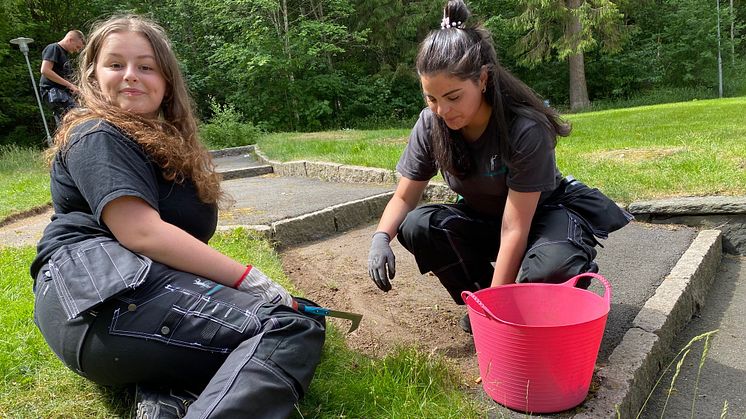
(578, 87)
(291, 76)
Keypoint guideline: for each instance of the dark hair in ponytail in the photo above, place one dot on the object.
(462, 50)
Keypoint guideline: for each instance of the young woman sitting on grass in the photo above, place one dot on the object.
(127, 291)
(493, 140)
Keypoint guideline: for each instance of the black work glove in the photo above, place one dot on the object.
(381, 261)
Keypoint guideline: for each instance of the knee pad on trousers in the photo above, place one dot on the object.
(297, 342)
(535, 268)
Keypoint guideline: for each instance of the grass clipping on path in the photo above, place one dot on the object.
(681, 356)
(36, 384)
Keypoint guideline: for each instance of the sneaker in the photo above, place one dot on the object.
(165, 404)
(465, 324)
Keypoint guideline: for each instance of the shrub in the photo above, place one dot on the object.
(227, 129)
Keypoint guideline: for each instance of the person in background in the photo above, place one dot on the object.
(55, 85)
(127, 290)
(517, 219)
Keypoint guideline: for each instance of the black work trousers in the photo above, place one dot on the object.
(459, 245)
(246, 358)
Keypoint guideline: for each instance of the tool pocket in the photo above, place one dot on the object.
(88, 273)
(602, 214)
(182, 317)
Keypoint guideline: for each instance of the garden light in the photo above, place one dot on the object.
(23, 46)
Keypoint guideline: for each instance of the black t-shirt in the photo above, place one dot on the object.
(100, 164)
(530, 167)
(62, 66)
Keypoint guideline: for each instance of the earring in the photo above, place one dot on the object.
(484, 89)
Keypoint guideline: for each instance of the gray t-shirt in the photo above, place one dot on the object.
(530, 167)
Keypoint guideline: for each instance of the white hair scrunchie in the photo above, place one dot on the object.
(446, 23)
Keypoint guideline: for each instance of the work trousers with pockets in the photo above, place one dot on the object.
(459, 245)
(245, 358)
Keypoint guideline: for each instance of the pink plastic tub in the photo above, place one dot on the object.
(537, 343)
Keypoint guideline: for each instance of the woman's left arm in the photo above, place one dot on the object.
(516, 224)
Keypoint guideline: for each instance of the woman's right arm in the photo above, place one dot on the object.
(381, 260)
(139, 227)
(406, 197)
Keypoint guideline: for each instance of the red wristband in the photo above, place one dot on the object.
(243, 276)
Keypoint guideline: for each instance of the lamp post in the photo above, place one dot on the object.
(23, 46)
(720, 57)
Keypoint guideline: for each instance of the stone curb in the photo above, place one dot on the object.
(724, 213)
(320, 224)
(233, 151)
(245, 172)
(635, 363)
(332, 172)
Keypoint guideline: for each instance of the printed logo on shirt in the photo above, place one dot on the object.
(496, 167)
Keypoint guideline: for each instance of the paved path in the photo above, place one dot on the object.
(723, 375)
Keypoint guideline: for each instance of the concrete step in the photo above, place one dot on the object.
(239, 162)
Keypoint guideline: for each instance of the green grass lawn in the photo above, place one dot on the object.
(24, 180)
(682, 149)
(35, 384)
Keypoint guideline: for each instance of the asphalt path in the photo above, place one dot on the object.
(723, 374)
(635, 260)
(269, 198)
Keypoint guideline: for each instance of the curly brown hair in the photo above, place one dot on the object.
(171, 139)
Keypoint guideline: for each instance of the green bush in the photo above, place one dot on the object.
(227, 128)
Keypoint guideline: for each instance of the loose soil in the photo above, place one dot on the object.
(416, 312)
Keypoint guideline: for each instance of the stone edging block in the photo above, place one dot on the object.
(245, 172)
(693, 205)
(323, 171)
(632, 369)
(307, 227)
(635, 363)
(683, 291)
(362, 211)
(333, 172)
(233, 151)
(323, 223)
(291, 168)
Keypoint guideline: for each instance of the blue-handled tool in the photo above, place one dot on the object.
(321, 311)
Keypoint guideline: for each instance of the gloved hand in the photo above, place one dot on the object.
(380, 260)
(260, 285)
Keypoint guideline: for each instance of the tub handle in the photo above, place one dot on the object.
(607, 287)
(465, 295)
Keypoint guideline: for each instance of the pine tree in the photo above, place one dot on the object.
(565, 30)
